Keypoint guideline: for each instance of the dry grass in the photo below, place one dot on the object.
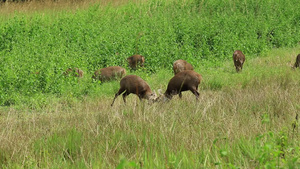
(192, 132)
(53, 6)
(135, 129)
(223, 127)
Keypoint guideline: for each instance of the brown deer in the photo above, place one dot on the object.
(238, 59)
(181, 65)
(183, 81)
(74, 72)
(136, 85)
(297, 63)
(136, 61)
(109, 73)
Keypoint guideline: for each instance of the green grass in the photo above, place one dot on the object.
(205, 33)
(241, 120)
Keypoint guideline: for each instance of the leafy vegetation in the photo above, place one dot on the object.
(163, 31)
(242, 120)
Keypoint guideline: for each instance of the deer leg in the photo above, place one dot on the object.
(180, 95)
(124, 96)
(196, 93)
(140, 97)
(121, 90)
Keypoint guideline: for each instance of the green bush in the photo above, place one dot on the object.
(162, 31)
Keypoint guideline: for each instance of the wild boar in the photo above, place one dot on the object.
(183, 81)
(109, 73)
(181, 65)
(136, 85)
(136, 61)
(238, 59)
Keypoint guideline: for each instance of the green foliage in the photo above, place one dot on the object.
(36, 49)
(274, 147)
(126, 164)
(221, 130)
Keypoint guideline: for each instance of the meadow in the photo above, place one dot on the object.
(241, 120)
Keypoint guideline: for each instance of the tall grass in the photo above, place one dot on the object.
(202, 32)
(241, 120)
(245, 120)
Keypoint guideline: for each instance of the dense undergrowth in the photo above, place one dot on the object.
(241, 120)
(202, 32)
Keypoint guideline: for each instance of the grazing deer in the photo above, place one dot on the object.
(136, 85)
(297, 63)
(183, 81)
(109, 73)
(136, 61)
(74, 72)
(181, 65)
(238, 59)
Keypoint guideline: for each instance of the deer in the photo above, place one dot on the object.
(187, 80)
(297, 63)
(238, 59)
(181, 65)
(74, 72)
(136, 61)
(109, 73)
(135, 85)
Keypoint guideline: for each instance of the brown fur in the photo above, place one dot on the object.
(238, 59)
(109, 73)
(136, 85)
(135, 61)
(184, 81)
(181, 65)
(74, 72)
(297, 63)
(36, 73)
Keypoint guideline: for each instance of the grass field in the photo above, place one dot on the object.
(241, 120)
